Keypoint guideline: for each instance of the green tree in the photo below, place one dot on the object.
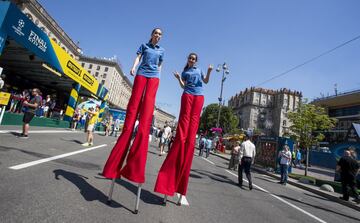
(228, 121)
(308, 123)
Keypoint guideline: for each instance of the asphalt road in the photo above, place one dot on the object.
(71, 189)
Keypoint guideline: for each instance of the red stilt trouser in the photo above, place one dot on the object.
(141, 102)
(175, 171)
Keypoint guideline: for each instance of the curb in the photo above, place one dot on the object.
(302, 186)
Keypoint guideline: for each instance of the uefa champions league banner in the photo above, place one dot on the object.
(17, 25)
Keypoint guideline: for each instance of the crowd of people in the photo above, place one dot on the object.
(45, 108)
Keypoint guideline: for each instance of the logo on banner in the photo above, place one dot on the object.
(18, 28)
(88, 79)
(37, 41)
(73, 68)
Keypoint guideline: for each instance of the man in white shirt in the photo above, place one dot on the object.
(285, 160)
(165, 138)
(246, 158)
(117, 126)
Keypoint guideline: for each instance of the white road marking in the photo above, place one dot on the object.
(282, 200)
(208, 160)
(36, 162)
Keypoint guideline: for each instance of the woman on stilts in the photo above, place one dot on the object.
(141, 103)
(174, 172)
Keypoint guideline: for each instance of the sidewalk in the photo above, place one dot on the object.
(317, 172)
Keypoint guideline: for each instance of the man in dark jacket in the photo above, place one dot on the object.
(348, 168)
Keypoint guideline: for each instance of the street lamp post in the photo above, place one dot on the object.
(225, 71)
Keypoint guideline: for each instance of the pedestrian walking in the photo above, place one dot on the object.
(83, 120)
(171, 140)
(165, 138)
(93, 116)
(293, 158)
(285, 161)
(47, 106)
(247, 154)
(208, 145)
(348, 168)
(234, 159)
(141, 103)
(202, 143)
(174, 172)
(298, 158)
(108, 125)
(31, 107)
(116, 126)
(75, 119)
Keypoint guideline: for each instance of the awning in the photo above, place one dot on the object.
(15, 24)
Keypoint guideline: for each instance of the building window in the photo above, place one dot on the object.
(89, 72)
(90, 66)
(284, 123)
(83, 64)
(106, 69)
(96, 74)
(98, 67)
(29, 16)
(102, 82)
(104, 75)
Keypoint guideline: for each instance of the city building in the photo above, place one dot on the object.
(265, 110)
(345, 107)
(109, 73)
(161, 117)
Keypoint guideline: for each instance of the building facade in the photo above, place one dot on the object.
(109, 73)
(265, 110)
(161, 117)
(345, 107)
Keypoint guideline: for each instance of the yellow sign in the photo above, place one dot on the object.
(73, 69)
(4, 98)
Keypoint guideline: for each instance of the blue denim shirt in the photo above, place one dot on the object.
(152, 57)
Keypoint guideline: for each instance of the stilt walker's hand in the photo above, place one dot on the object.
(177, 75)
(132, 71)
(210, 68)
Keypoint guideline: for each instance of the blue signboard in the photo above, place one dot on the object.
(25, 32)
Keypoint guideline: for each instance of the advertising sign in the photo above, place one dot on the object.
(4, 98)
(18, 26)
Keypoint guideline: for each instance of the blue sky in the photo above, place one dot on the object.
(256, 38)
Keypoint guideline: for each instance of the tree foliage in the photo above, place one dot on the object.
(308, 123)
(228, 121)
